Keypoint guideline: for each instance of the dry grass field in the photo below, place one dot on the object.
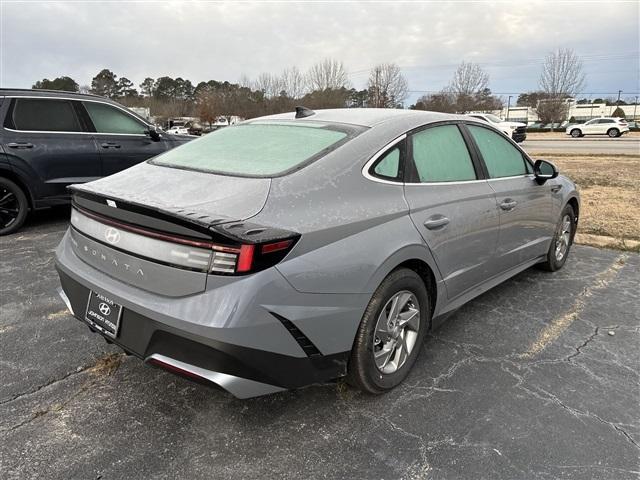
(610, 191)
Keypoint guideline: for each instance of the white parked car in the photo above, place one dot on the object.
(611, 126)
(515, 130)
(178, 130)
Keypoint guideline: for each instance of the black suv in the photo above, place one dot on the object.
(51, 139)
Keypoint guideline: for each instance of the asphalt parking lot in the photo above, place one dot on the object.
(536, 379)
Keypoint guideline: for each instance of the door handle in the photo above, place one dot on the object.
(110, 145)
(20, 145)
(556, 188)
(435, 223)
(508, 204)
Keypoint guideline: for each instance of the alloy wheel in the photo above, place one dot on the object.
(564, 238)
(9, 207)
(396, 331)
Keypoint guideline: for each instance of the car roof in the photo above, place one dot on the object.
(43, 93)
(29, 92)
(368, 117)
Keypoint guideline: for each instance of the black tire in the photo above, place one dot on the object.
(576, 132)
(14, 207)
(552, 262)
(362, 371)
(613, 132)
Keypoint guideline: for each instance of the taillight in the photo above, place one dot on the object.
(247, 251)
(249, 258)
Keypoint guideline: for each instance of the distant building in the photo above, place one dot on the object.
(144, 112)
(580, 112)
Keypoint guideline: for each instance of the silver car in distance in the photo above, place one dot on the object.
(302, 247)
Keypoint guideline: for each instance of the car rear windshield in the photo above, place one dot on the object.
(259, 148)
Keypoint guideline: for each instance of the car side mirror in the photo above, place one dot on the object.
(154, 133)
(544, 171)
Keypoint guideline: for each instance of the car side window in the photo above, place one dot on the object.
(440, 154)
(501, 158)
(46, 115)
(108, 119)
(389, 165)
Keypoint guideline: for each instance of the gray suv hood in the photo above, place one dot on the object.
(202, 198)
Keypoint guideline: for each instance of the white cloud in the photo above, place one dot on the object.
(207, 40)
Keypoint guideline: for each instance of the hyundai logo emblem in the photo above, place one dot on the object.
(112, 235)
(104, 309)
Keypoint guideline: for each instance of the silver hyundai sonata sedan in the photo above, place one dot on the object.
(298, 248)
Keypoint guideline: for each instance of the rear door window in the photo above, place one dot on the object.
(43, 114)
(260, 148)
(108, 119)
(501, 158)
(440, 154)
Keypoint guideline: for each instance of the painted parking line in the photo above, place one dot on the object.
(557, 327)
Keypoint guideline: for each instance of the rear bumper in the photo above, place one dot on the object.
(231, 335)
(242, 371)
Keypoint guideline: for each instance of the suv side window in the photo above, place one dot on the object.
(108, 119)
(501, 158)
(440, 154)
(389, 165)
(44, 114)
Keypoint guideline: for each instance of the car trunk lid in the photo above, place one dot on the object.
(164, 229)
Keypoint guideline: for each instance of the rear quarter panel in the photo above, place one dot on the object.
(354, 230)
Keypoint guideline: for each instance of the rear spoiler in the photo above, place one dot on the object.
(181, 221)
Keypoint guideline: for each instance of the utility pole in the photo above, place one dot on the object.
(618, 101)
(508, 107)
(635, 106)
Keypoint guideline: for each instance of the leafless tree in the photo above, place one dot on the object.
(269, 84)
(206, 107)
(562, 76)
(467, 83)
(443, 101)
(468, 79)
(387, 86)
(293, 83)
(562, 73)
(245, 81)
(328, 74)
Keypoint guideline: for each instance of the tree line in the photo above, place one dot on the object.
(326, 84)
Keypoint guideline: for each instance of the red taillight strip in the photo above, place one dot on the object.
(158, 235)
(245, 259)
(175, 369)
(276, 247)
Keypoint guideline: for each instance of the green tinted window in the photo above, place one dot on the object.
(502, 158)
(440, 155)
(254, 148)
(389, 165)
(108, 119)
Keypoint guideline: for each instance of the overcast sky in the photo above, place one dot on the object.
(223, 40)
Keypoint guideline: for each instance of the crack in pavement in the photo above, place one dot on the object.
(558, 326)
(40, 387)
(580, 347)
(515, 360)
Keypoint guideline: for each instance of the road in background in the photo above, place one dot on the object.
(599, 146)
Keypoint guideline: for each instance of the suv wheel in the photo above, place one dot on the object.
(575, 133)
(562, 241)
(613, 132)
(13, 207)
(391, 333)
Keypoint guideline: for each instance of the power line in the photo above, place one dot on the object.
(523, 63)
